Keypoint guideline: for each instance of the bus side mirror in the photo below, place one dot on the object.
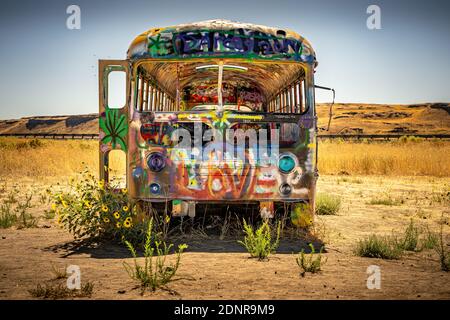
(330, 113)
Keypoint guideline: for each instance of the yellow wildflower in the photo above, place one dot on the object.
(116, 215)
(124, 190)
(118, 225)
(106, 220)
(53, 206)
(127, 223)
(87, 203)
(105, 208)
(101, 184)
(125, 208)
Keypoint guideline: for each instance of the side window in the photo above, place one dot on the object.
(291, 99)
(116, 89)
(150, 97)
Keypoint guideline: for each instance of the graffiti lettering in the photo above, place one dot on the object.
(226, 42)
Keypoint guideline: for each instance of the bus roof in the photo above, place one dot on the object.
(222, 39)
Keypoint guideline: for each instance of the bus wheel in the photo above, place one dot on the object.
(302, 214)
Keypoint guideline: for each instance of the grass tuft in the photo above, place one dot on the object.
(60, 291)
(379, 247)
(309, 263)
(327, 204)
(411, 238)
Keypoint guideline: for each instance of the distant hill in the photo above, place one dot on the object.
(429, 118)
(349, 118)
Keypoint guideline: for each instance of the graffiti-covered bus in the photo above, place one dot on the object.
(216, 113)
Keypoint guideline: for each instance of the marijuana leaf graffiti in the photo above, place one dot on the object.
(115, 127)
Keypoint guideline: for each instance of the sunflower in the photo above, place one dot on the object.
(105, 208)
(127, 223)
(125, 208)
(106, 220)
(116, 215)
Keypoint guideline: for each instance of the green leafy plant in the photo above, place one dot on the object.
(92, 209)
(15, 213)
(115, 127)
(379, 247)
(311, 262)
(155, 272)
(327, 204)
(444, 254)
(24, 218)
(7, 218)
(430, 241)
(411, 236)
(259, 243)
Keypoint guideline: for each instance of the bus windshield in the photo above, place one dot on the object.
(221, 85)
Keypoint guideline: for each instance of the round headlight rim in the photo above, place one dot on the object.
(291, 156)
(282, 186)
(162, 157)
(152, 188)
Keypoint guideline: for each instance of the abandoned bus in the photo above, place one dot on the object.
(216, 112)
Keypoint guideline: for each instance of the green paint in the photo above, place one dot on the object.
(304, 143)
(115, 127)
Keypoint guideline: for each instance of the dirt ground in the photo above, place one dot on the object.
(221, 269)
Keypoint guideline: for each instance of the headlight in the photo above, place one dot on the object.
(285, 189)
(155, 188)
(286, 162)
(156, 161)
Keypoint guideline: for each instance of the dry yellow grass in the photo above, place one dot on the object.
(50, 158)
(427, 158)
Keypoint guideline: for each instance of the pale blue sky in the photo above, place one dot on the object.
(47, 69)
